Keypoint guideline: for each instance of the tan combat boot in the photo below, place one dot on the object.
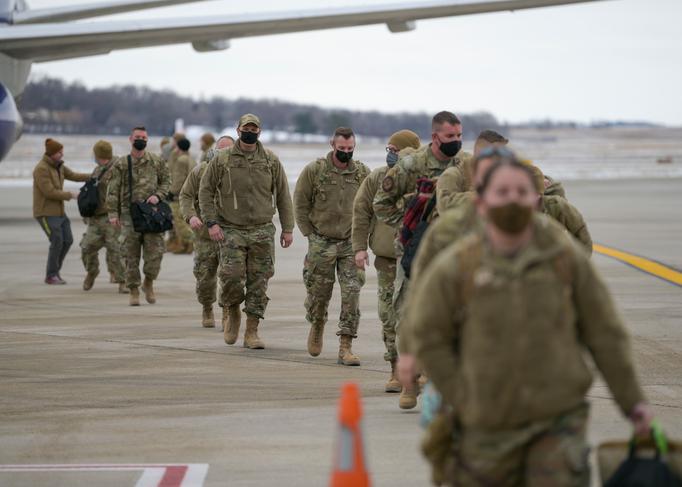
(122, 289)
(408, 397)
(346, 356)
(251, 339)
(89, 281)
(232, 320)
(422, 381)
(393, 384)
(134, 296)
(207, 318)
(148, 289)
(315, 339)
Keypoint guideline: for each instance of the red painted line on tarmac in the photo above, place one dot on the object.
(173, 476)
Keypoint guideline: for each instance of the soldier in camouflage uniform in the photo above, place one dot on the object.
(457, 179)
(172, 242)
(323, 202)
(207, 145)
(166, 148)
(151, 182)
(400, 184)
(179, 171)
(238, 195)
(381, 239)
(206, 251)
(534, 306)
(99, 233)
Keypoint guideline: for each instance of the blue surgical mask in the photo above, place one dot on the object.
(391, 158)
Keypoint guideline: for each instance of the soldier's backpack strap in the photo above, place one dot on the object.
(269, 155)
(222, 166)
(468, 262)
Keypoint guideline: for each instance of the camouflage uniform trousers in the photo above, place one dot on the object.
(100, 233)
(149, 246)
(181, 230)
(400, 285)
(545, 453)
(206, 262)
(324, 258)
(247, 260)
(386, 269)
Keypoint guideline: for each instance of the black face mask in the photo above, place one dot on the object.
(248, 137)
(343, 156)
(139, 144)
(450, 149)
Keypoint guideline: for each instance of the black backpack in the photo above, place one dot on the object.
(88, 197)
(148, 218)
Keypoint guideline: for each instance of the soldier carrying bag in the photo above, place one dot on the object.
(88, 197)
(148, 218)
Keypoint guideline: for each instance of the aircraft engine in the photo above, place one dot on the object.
(11, 123)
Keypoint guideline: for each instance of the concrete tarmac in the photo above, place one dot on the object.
(86, 379)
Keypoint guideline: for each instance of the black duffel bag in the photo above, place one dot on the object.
(148, 218)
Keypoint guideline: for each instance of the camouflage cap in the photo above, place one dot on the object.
(249, 118)
(403, 139)
(103, 150)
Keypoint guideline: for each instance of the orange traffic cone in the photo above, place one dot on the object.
(349, 458)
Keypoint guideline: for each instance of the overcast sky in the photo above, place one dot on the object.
(617, 59)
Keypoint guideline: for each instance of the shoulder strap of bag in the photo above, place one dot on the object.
(130, 179)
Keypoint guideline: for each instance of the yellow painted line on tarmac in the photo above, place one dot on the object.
(643, 264)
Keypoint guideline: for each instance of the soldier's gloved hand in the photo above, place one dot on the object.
(407, 369)
(641, 416)
(216, 233)
(196, 223)
(115, 222)
(286, 239)
(361, 259)
(153, 200)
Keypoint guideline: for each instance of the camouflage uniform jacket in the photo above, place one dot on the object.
(504, 339)
(568, 215)
(104, 173)
(179, 171)
(324, 197)
(243, 189)
(401, 181)
(555, 188)
(453, 181)
(189, 197)
(150, 177)
(365, 224)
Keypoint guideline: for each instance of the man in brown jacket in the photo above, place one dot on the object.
(48, 205)
(381, 239)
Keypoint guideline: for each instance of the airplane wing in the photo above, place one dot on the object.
(86, 11)
(52, 41)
